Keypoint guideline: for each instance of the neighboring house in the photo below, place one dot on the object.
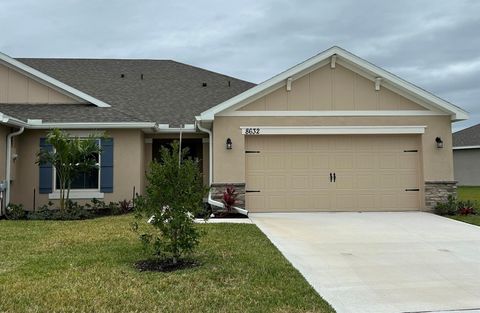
(466, 156)
(334, 133)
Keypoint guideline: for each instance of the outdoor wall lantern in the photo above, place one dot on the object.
(439, 142)
(229, 144)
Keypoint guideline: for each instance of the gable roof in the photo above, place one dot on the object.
(169, 93)
(50, 81)
(468, 137)
(323, 59)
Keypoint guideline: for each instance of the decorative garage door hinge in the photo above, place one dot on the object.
(410, 150)
(252, 190)
(412, 189)
(252, 151)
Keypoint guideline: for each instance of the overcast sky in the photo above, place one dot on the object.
(434, 44)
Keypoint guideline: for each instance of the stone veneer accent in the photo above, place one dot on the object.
(438, 191)
(217, 190)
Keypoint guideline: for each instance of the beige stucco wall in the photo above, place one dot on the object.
(332, 89)
(327, 89)
(229, 165)
(4, 130)
(128, 166)
(17, 88)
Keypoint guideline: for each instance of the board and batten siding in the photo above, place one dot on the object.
(17, 88)
(332, 89)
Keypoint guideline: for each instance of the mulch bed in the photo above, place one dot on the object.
(228, 215)
(159, 265)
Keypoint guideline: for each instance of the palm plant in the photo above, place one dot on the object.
(70, 156)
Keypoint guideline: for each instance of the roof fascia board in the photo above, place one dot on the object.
(125, 125)
(457, 113)
(274, 87)
(50, 81)
(386, 84)
(367, 67)
(333, 113)
(272, 82)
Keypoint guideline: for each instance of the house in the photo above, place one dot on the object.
(333, 133)
(466, 156)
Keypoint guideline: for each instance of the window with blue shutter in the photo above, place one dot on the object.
(46, 170)
(106, 165)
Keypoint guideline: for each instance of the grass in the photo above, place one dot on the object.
(87, 266)
(471, 219)
(468, 193)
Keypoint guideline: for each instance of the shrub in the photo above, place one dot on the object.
(229, 198)
(125, 206)
(73, 211)
(466, 207)
(447, 208)
(15, 212)
(453, 207)
(173, 196)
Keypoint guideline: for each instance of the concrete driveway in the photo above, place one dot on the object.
(382, 262)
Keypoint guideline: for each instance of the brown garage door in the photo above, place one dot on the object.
(368, 173)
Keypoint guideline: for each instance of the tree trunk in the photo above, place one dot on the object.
(175, 247)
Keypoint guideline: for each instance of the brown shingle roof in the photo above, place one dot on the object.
(169, 93)
(468, 137)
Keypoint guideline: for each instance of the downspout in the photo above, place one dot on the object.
(8, 162)
(210, 171)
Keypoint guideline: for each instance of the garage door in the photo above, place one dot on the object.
(332, 173)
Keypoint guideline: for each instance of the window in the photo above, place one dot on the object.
(85, 180)
(89, 180)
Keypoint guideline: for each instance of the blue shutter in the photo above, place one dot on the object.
(46, 170)
(106, 165)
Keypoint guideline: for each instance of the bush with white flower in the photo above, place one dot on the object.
(174, 195)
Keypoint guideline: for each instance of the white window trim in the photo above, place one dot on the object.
(333, 130)
(80, 193)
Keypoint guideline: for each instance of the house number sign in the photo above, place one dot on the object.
(251, 131)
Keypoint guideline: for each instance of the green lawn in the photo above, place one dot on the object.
(469, 193)
(471, 219)
(473, 194)
(87, 266)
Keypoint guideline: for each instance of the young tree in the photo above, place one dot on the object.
(174, 195)
(70, 156)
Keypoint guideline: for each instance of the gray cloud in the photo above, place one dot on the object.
(431, 43)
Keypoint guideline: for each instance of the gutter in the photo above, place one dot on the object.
(210, 172)
(38, 124)
(9, 163)
(466, 147)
